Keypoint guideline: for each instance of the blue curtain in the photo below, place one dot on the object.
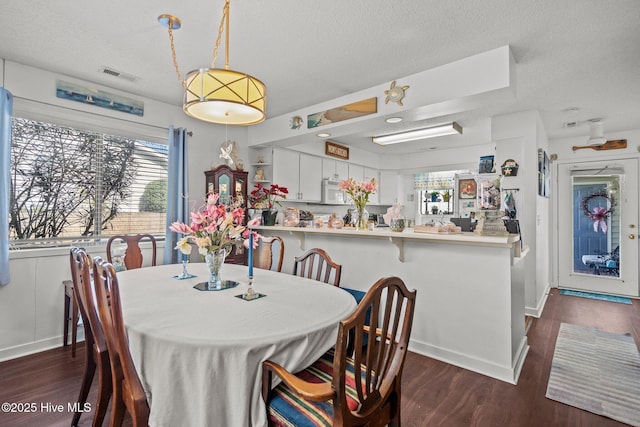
(177, 192)
(6, 104)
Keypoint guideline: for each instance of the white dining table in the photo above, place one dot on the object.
(199, 354)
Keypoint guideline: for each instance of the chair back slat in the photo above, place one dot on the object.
(379, 349)
(97, 355)
(128, 394)
(316, 264)
(133, 256)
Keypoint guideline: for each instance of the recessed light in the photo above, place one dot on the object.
(393, 120)
(323, 135)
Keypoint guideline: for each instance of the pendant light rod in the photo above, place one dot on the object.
(226, 36)
(171, 23)
(224, 25)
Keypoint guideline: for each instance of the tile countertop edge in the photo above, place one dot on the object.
(465, 238)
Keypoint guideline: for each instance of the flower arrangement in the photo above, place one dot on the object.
(214, 227)
(359, 190)
(265, 198)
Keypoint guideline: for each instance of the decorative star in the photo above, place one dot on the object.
(395, 93)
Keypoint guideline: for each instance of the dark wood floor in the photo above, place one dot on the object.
(434, 393)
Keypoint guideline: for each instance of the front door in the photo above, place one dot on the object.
(598, 226)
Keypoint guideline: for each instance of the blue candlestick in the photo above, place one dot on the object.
(250, 254)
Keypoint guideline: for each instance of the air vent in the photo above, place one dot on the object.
(118, 74)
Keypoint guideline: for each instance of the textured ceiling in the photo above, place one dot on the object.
(572, 53)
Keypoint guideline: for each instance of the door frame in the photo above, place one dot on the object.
(632, 288)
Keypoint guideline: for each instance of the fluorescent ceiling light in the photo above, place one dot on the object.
(413, 135)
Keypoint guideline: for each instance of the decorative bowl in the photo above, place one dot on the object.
(397, 224)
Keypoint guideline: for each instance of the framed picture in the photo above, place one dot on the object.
(544, 174)
(467, 189)
(486, 164)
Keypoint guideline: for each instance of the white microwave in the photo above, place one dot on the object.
(331, 192)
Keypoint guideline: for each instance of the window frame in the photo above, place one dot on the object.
(90, 122)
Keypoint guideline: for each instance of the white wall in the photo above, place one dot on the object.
(518, 136)
(31, 306)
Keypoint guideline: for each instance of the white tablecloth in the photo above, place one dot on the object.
(199, 354)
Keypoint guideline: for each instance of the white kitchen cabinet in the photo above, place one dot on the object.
(286, 171)
(356, 172)
(301, 173)
(342, 170)
(388, 188)
(310, 178)
(335, 169)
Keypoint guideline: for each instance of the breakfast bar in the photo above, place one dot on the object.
(470, 301)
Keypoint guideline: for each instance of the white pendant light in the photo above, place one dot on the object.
(218, 95)
(416, 134)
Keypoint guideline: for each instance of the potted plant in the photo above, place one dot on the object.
(265, 198)
(434, 196)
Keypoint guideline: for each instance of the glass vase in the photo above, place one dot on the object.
(214, 261)
(361, 218)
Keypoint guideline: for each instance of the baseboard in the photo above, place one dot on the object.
(509, 374)
(36, 347)
(537, 311)
(523, 350)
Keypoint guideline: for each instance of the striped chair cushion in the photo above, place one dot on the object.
(286, 409)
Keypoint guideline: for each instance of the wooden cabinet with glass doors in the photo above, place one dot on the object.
(231, 185)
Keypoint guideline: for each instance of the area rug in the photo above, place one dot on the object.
(591, 295)
(596, 371)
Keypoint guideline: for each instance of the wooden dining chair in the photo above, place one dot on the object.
(96, 353)
(316, 264)
(128, 393)
(344, 388)
(133, 254)
(263, 256)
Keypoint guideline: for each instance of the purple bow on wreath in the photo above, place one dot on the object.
(599, 217)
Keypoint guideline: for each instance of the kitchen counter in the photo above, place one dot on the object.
(399, 238)
(470, 288)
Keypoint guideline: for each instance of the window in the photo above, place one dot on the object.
(69, 183)
(436, 191)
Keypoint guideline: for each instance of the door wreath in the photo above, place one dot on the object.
(599, 214)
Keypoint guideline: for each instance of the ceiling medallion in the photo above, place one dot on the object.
(395, 93)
